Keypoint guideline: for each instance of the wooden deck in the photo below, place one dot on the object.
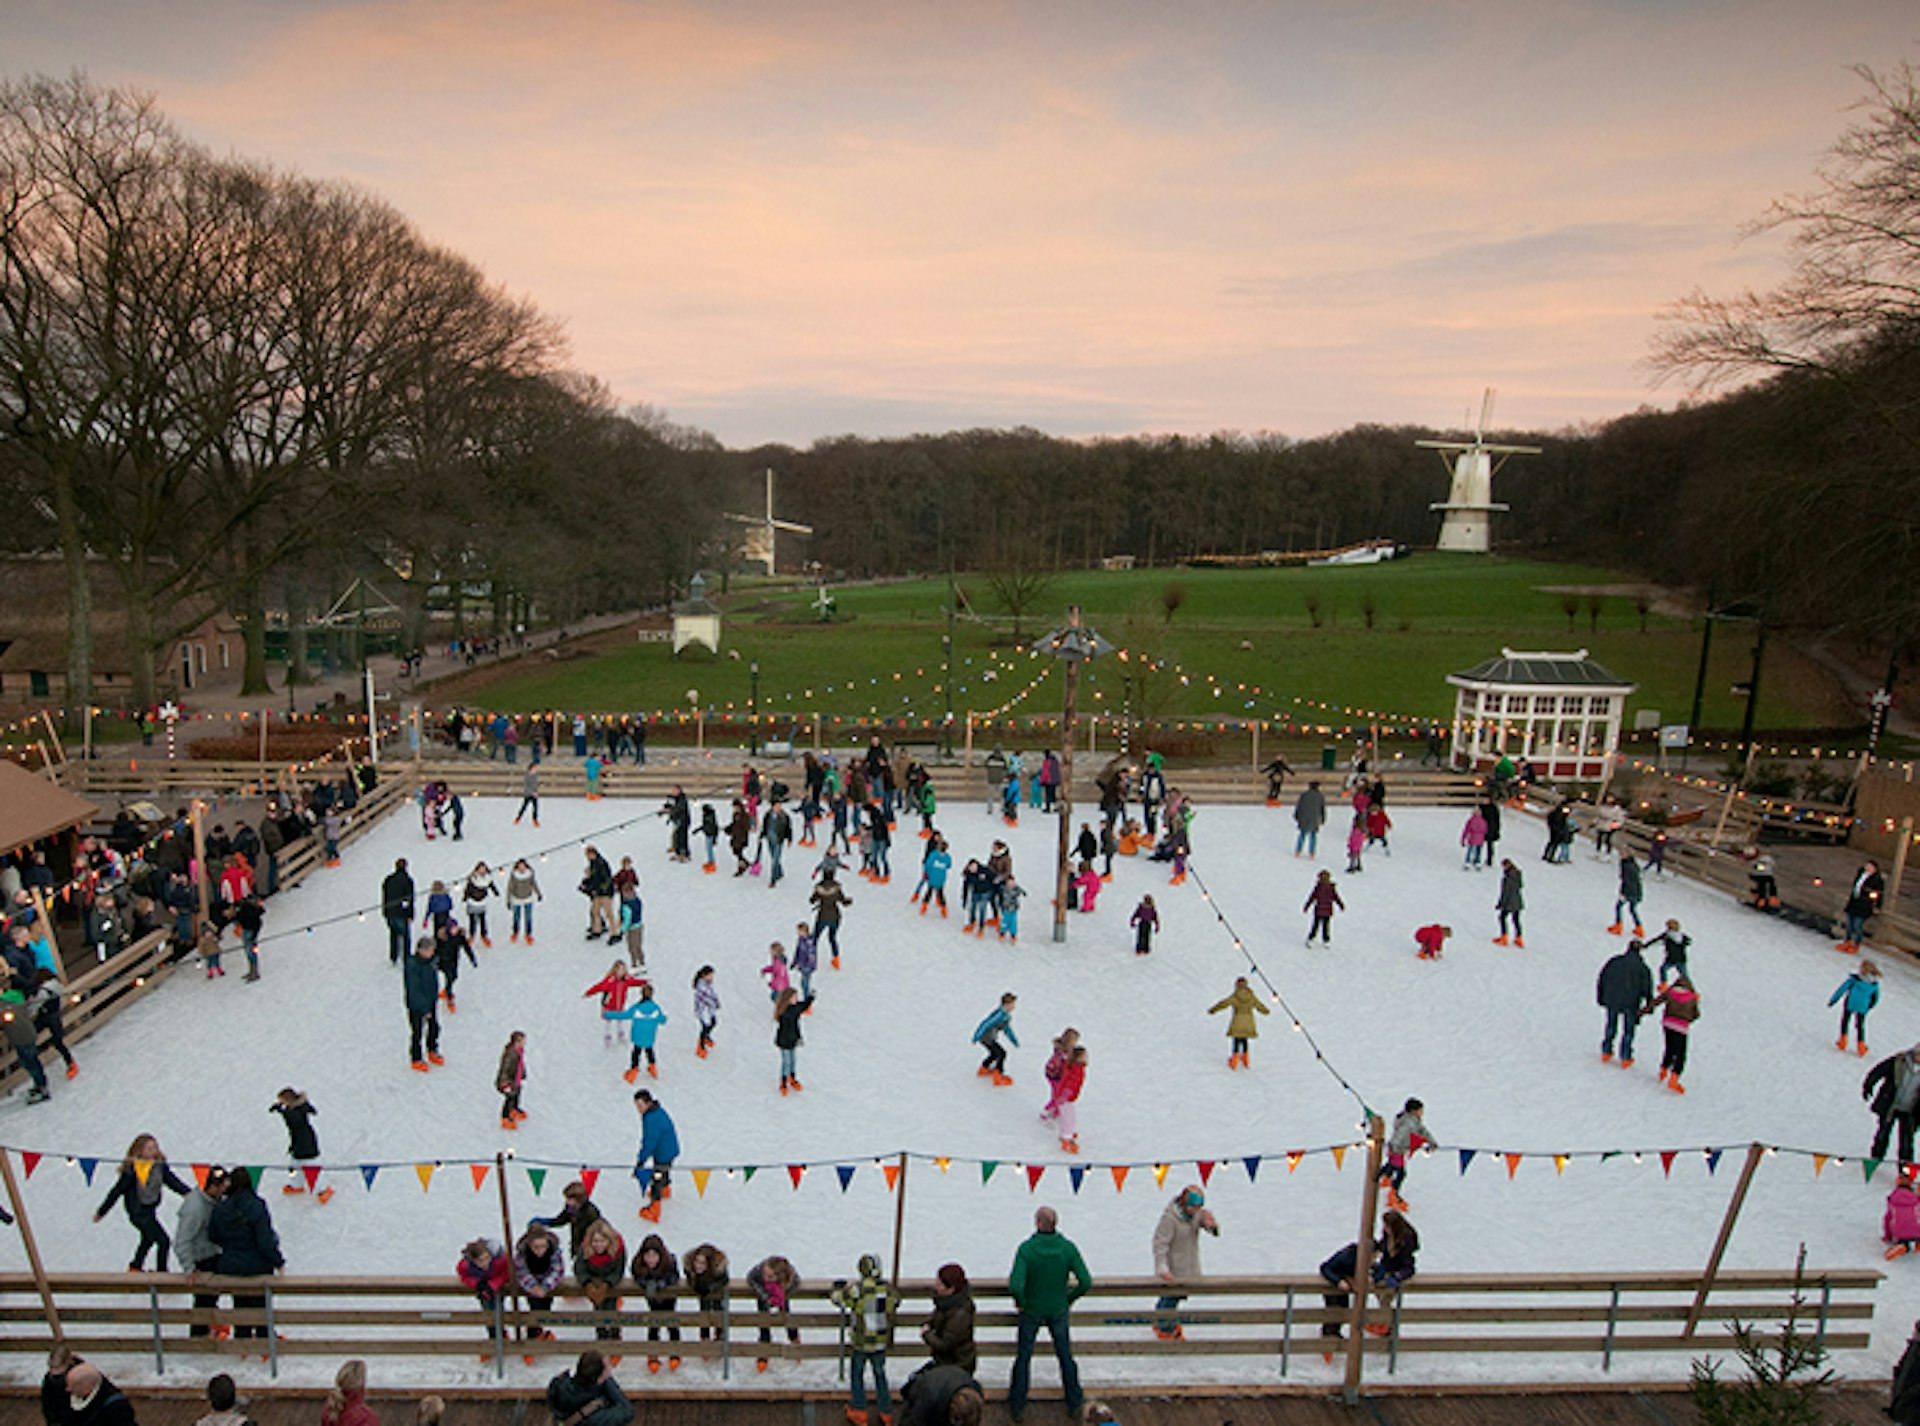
(1575, 1408)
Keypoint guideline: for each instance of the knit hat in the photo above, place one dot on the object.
(952, 1277)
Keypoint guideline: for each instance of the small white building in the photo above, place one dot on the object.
(695, 621)
(1561, 710)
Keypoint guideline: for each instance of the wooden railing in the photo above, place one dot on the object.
(1268, 1322)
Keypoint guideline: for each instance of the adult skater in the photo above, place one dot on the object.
(1682, 1003)
(421, 985)
(1625, 991)
(660, 1146)
(597, 886)
(1408, 1136)
(1863, 899)
(396, 905)
(1309, 816)
(141, 1193)
(1047, 1278)
(1631, 890)
(530, 793)
(1242, 1027)
(1276, 772)
(776, 830)
(828, 900)
(1490, 815)
(1511, 902)
(1176, 1252)
(679, 814)
(1894, 1087)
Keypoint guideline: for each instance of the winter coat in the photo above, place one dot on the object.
(1176, 1241)
(512, 1072)
(1356, 838)
(706, 1003)
(827, 899)
(936, 867)
(643, 1022)
(576, 1222)
(1072, 1077)
(488, 1282)
(477, 890)
(1630, 883)
(1323, 898)
(1490, 814)
(1310, 810)
(1144, 915)
(772, 1292)
(600, 1274)
(1511, 898)
(1862, 994)
(566, 1397)
(806, 955)
(1378, 823)
(739, 832)
(242, 1231)
(354, 1411)
(612, 990)
(1625, 984)
(1409, 1132)
(1392, 1267)
(998, 1022)
(709, 1285)
(659, 1141)
(598, 880)
(1892, 1075)
(658, 1281)
(302, 1142)
(786, 1032)
(870, 1303)
(1048, 1275)
(1431, 939)
(1683, 1007)
(776, 972)
(1246, 1006)
(539, 1276)
(1863, 897)
(523, 888)
(1901, 1223)
(141, 1198)
(949, 1332)
(421, 979)
(190, 1241)
(1474, 834)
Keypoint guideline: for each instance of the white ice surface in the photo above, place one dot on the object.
(1500, 1043)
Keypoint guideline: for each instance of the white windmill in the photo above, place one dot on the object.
(1469, 507)
(758, 548)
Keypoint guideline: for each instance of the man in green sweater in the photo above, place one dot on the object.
(1041, 1291)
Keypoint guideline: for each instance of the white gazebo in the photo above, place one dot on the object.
(1561, 710)
(695, 621)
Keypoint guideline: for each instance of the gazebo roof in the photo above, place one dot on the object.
(1517, 669)
(32, 807)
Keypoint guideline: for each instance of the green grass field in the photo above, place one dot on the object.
(1434, 615)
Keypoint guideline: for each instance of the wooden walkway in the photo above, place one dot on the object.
(1577, 1408)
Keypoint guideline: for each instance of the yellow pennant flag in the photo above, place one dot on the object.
(1559, 1163)
(942, 1164)
(700, 1177)
(143, 1170)
(1339, 1156)
(1160, 1174)
(1819, 1162)
(1120, 1172)
(426, 1175)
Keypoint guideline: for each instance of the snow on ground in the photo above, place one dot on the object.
(1501, 1043)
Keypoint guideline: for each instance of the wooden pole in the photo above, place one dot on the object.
(1373, 749)
(899, 1217)
(419, 745)
(1363, 1258)
(46, 929)
(1256, 745)
(54, 734)
(1754, 1153)
(1720, 825)
(33, 1249)
(265, 713)
(1069, 717)
(966, 751)
(46, 761)
(199, 868)
(506, 1240)
(816, 732)
(86, 737)
(1899, 861)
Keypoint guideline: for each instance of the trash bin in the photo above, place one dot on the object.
(1329, 758)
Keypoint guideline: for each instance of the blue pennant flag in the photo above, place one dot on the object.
(1713, 1162)
(87, 1166)
(1252, 1161)
(1076, 1173)
(845, 1171)
(367, 1171)
(1466, 1157)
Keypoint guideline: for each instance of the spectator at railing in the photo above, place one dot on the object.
(941, 1395)
(242, 1230)
(225, 1401)
(74, 1392)
(346, 1404)
(588, 1395)
(949, 1332)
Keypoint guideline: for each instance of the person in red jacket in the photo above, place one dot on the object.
(485, 1267)
(1321, 902)
(1432, 940)
(612, 989)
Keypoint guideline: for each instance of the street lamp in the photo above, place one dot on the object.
(753, 707)
(1073, 644)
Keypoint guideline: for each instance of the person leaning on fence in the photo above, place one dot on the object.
(588, 1395)
(1393, 1264)
(941, 1395)
(948, 1334)
(1048, 1277)
(74, 1392)
(346, 1404)
(224, 1399)
(1176, 1251)
(870, 1303)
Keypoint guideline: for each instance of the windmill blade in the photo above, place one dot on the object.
(1486, 416)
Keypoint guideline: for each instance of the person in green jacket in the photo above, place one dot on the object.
(1040, 1287)
(871, 1303)
(1242, 1029)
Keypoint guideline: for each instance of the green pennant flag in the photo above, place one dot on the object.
(1868, 1166)
(987, 1166)
(1610, 1154)
(254, 1171)
(538, 1178)
(747, 1173)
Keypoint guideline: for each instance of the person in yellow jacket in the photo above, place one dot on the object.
(1242, 1029)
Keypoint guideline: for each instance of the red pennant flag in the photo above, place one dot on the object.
(1293, 1159)
(794, 1172)
(1119, 1176)
(892, 1171)
(588, 1178)
(1206, 1170)
(479, 1174)
(313, 1176)
(1666, 1161)
(1513, 1164)
(1033, 1176)
(32, 1162)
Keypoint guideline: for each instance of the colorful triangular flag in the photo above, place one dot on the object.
(30, 1161)
(367, 1172)
(796, 1172)
(700, 1177)
(1293, 1159)
(1075, 1173)
(1252, 1161)
(1559, 1164)
(479, 1174)
(1339, 1156)
(748, 1171)
(1667, 1156)
(987, 1168)
(588, 1178)
(943, 1164)
(537, 1179)
(1610, 1154)
(1120, 1172)
(313, 1176)
(200, 1171)
(1867, 1167)
(1160, 1175)
(844, 1172)
(1206, 1170)
(1819, 1163)
(87, 1166)
(256, 1172)
(1513, 1164)
(1033, 1176)
(1466, 1157)
(426, 1175)
(892, 1172)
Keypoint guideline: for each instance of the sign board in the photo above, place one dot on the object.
(1674, 735)
(1645, 719)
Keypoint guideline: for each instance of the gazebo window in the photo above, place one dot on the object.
(1599, 707)
(1543, 703)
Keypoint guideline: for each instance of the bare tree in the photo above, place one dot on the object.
(1020, 579)
(1173, 597)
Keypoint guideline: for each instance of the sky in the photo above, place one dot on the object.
(784, 220)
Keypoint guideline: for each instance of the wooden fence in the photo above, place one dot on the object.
(1270, 1324)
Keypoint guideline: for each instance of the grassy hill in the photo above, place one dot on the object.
(1432, 615)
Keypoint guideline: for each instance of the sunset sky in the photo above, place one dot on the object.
(782, 220)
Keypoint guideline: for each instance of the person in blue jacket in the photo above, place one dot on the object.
(421, 980)
(933, 873)
(987, 1034)
(1857, 994)
(644, 1019)
(660, 1146)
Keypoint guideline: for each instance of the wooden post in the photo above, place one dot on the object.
(419, 745)
(199, 868)
(1373, 749)
(1093, 734)
(816, 732)
(1720, 825)
(1069, 720)
(1899, 861)
(1754, 1152)
(506, 1241)
(46, 929)
(1363, 1258)
(46, 761)
(1256, 745)
(265, 713)
(33, 1248)
(699, 729)
(966, 750)
(86, 737)
(899, 1217)
(53, 733)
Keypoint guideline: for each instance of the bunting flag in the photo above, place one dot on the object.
(143, 1170)
(1339, 1156)
(200, 1171)
(1610, 1154)
(1206, 1171)
(1076, 1174)
(796, 1172)
(256, 1172)
(479, 1174)
(1559, 1164)
(1819, 1163)
(1253, 1167)
(1293, 1159)
(844, 1172)
(1033, 1176)
(1713, 1162)
(700, 1177)
(1667, 1156)
(313, 1176)
(589, 1177)
(30, 1161)
(987, 1167)
(1160, 1175)
(367, 1172)
(87, 1166)
(892, 1172)
(1513, 1164)
(1120, 1172)
(537, 1178)
(747, 1173)
(1867, 1167)
(426, 1175)
(943, 1164)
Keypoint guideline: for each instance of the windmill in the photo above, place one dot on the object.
(759, 547)
(1467, 523)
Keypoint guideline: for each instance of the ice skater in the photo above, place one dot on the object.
(1431, 940)
(612, 988)
(303, 1144)
(1055, 1071)
(1473, 837)
(1674, 944)
(1321, 901)
(706, 1008)
(1409, 1135)
(776, 971)
(1628, 899)
(828, 901)
(644, 1019)
(987, 1033)
(787, 1011)
(1510, 903)
(1067, 1116)
(1242, 1028)
(473, 898)
(523, 889)
(806, 958)
(1682, 1003)
(1857, 994)
(1146, 920)
(508, 1078)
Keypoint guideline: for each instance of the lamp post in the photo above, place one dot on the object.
(753, 707)
(1073, 644)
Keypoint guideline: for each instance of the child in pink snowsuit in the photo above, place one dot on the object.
(1088, 883)
(1356, 842)
(1056, 1070)
(775, 970)
(1900, 1227)
(1474, 837)
(1071, 1078)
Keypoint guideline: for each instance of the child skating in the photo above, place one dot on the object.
(1007, 898)
(613, 989)
(787, 1011)
(473, 899)
(509, 1077)
(776, 971)
(1857, 994)
(1321, 901)
(1900, 1224)
(1628, 899)
(1242, 1028)
(934, 868)
(1072, 1079)
(1356, 844)
(987, 1033)
(1409, 1135)
(1682, 1004)
(1146, 920)
(1056, 1070)
(806, 958)
(1674, 945)
(303, 1143)
(523, 889)
(644, 1019)
(1431, 940)
(706, 1008)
